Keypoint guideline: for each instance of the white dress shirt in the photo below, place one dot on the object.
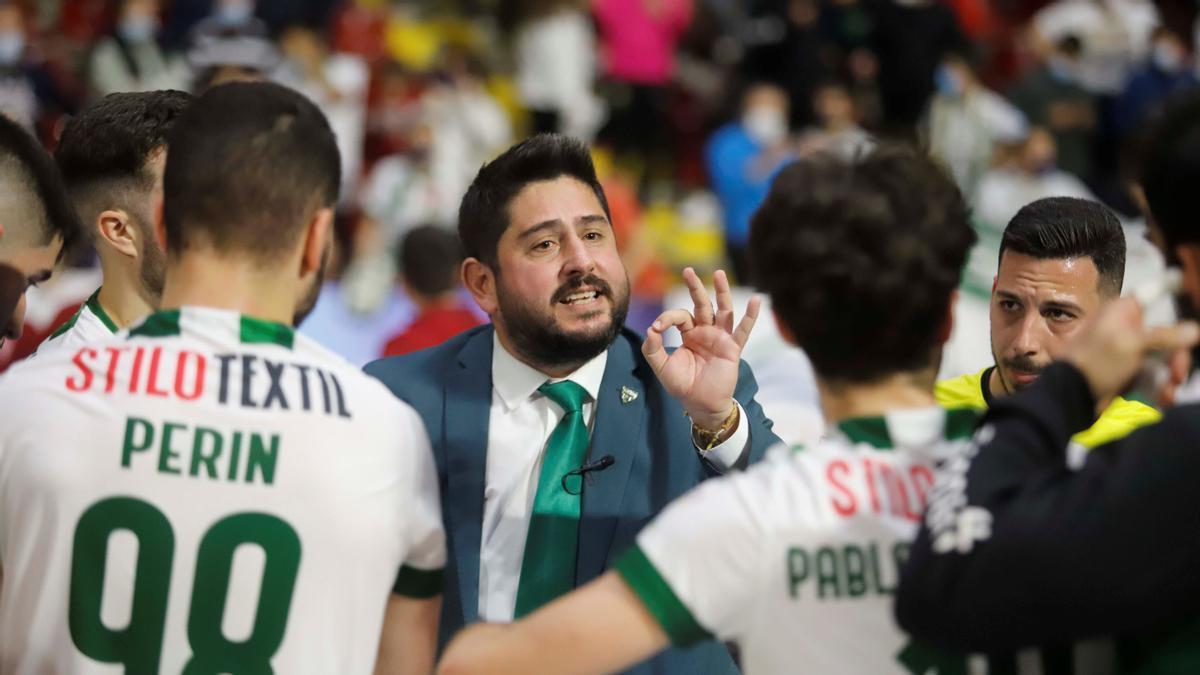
(519, 428)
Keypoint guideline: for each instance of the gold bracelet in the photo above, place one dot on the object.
(711, 439)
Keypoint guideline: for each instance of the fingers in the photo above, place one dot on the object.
(724, 318)
(653, 350)
(679, 318)
(703, 305)
(742, 334)
(1170, 339)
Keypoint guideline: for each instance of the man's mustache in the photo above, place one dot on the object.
(601, 286)
(1023, 364)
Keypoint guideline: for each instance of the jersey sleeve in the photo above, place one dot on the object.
(421, 574)
(694, 566)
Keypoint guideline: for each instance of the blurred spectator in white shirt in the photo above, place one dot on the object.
(965, 121)
(131, 58)
(837, 131)
(338, 84)
(1033, 174)
(555, 56)
(1115, 35)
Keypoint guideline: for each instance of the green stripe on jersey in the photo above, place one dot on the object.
(654, 592)
(420, 584)
(158, 324)
(93, 303)
(256, 331)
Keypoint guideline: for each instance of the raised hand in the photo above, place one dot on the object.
(702, 374)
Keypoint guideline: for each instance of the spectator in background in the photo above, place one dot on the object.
(429, 260)
(1115, 35)
(1031, 175)
(638, 41)
(909, 39)
(1051, 96)
(338, 84)
(965, 121)
(229, 18)
(837, 131)
(743, 157)
(1168, 71)
(131, 58)
(231, 46)
(28, 91)
(555, 54)
(783, 43)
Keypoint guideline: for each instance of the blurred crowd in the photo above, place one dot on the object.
(692, 107)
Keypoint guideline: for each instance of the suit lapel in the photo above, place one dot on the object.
(468, 407)
(617, 432)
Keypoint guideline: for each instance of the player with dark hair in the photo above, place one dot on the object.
(37, 225)
(794, 559)
(556, 387)
(1061, 260)
(112, 156)
(1016, 549)
(254, 501)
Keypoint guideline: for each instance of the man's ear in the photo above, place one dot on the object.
(112, 228)
(316, 241)
(480, 280)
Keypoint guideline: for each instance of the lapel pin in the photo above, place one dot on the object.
(628, 395)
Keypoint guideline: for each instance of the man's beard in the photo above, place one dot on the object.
(1021, 363)
(536, 337)
(309, 302)
(152, 272)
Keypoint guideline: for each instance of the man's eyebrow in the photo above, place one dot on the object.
(540, 227)
(1062, 304)
(39, 277)
(594, 218)
(1008, 295)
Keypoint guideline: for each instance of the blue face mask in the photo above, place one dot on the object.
(1061, 69)
(235, 14)
(947, 82)
(138, 29)
(12, 46)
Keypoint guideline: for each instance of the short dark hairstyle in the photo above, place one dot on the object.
(1066, 227)
(1171, 170)
(26, 166)
(105, 148)
(860, 257)
(483, 216)
(429, 259)
(249, 163)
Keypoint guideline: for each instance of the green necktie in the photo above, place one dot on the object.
(548, 569)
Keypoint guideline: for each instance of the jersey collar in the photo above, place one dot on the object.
(908, 427)
(171, 322)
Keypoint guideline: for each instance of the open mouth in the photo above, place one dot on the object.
(580, 297)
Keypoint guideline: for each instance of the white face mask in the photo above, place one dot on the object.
(12, 46)
(765, 124)
(1167, 57)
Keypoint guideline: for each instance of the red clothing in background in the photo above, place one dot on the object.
(433, 327)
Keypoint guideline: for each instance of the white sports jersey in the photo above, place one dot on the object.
(212, 490)
(797, 559)
(90, 324)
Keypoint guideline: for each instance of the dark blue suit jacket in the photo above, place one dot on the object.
(451, 387)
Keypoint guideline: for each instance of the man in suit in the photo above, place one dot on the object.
(555, 387)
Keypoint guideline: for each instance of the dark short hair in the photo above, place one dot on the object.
(484, 214)
(26, 164)
(860, 257)
(249, 164)
(429, 259)
(1171, 170)
(1056, 228)
(105, 148)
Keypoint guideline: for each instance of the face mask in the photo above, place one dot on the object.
(948, 82)
(1167, 57)
(12, 46)
(235, 14)
(1061, 69)
(138, 28)
(766, 125)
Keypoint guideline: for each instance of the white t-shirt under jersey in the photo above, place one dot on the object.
(89, 324)
(214, 490)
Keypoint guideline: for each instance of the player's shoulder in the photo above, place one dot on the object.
(1119, 419)
(365, 388)
(964, 391)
